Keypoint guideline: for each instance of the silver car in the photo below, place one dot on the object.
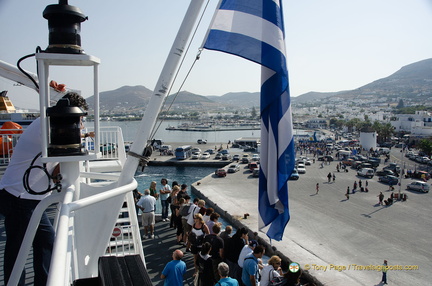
(419, 186)
(234, 168)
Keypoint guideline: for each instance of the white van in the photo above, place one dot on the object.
(344, 152)
(384, 151)
(366, 172)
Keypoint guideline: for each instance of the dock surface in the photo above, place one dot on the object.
(334, 238)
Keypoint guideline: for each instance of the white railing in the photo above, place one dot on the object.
(92, 220)
(111, 138)
(112, 144)
(9, 138)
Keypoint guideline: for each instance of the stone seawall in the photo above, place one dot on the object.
(236, 222)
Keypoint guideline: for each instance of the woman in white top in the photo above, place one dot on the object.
(271, 270)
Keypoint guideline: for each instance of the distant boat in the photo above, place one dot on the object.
(216, 126)
(8, 112)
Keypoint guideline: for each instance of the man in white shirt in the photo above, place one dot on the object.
(247, 249)
(146, 204)
(18, 200)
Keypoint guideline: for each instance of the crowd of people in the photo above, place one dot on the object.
(219, 257)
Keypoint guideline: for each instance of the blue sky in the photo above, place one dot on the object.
(332, 45)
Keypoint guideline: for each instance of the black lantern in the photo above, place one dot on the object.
(64, 24)
(65, 129)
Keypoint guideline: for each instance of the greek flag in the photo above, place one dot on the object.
(254, 30)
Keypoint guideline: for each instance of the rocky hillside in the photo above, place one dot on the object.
(411, 81)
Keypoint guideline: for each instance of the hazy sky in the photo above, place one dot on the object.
(332, 45)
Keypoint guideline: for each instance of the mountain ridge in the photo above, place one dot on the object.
(411, 81)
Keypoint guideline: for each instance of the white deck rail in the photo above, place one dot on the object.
(97, 220)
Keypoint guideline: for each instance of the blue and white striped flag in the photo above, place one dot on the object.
(254, 29)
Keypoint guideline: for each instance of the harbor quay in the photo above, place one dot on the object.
(336, 240)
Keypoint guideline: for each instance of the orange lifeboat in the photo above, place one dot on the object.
(6, 144)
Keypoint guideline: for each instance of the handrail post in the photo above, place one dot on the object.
(29, 236)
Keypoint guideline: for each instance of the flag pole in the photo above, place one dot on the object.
(211, 24)
(163, 85)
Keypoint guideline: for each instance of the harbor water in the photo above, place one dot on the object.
(180, 174)
(129, 129)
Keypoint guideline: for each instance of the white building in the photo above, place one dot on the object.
(419, 124)
(320, 123)
(368, 138)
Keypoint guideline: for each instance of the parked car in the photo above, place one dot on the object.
(224, 151)
(245, 158)
(419, 186)
(384, 173)
(202, 141)
(424, 160)
(226, 157)
(255, 157)
(393, 166)
(196, 155)
(388, 179)
(236, 157)
(361, 158)
(327, 158)
(233, 168)
(383, 151)
(348, 161)
(301, 169)
(294, 175)
(255, 172)
(364, 165)
(253, 165)
(218, 156)
(366, 172)
(301, 164)
(220, 173)
(205, 155)
(210, 151)
(166, 150)
(374, 161)
(193, 150)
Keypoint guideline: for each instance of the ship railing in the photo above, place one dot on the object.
(112, 145)
(95, 218)
(86, 229)
(9, 138)
(111, 142)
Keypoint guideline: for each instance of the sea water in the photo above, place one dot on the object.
(180, 174)
(129, 130)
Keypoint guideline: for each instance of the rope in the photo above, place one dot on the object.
(153, 133)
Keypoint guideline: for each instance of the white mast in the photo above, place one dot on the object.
(160, 91)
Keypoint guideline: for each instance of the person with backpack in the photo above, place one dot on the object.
(271, 272)
(173, 204)
(184, 212)
(190, 220)
(217, 247)
(250, 274)
(178, 221)
(232, 248)
(205, 266)
(196, 237)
